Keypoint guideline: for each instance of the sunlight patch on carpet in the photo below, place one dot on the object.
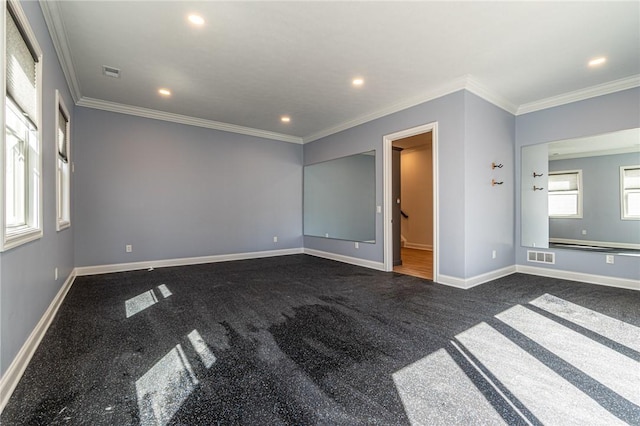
(139, 303)
(618, 372)
(164, 388)
(435, 390)
(611, 328)
(206, 356)
(547, 395)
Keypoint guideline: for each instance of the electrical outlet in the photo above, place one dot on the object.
(55, 274)
(128, 248)
(275, 239)
(609, 259)
(357, 244)
(584, 232)
(494, 254)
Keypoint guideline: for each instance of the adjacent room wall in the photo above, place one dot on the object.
(416, 191)
(27, 284)
(175, 191)
(603, 114)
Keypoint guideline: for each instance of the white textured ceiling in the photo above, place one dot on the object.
(254, 61)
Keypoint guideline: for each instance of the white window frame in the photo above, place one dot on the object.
(578, 215)
(11, 238)
(63, 170)
(623, 199)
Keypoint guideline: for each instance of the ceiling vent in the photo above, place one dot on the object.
(110, 71)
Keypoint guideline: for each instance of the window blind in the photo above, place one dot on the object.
(631, 178)
(20, 69)
(563, 182)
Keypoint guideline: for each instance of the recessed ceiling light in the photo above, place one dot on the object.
(164, 92)
(285, 119)
(196, 19)
(597, 61)
(358, 81)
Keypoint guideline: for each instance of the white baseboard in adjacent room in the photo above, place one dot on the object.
(12, 376)
(580, 277)
(418, 246)
(134, 266)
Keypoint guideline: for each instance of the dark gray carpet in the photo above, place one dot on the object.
(299, 340)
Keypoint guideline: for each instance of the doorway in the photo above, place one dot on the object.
(410, 202)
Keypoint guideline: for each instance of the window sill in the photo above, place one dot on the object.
(23, 236)
(62, 225)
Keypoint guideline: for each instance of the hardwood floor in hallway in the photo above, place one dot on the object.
(417, 263)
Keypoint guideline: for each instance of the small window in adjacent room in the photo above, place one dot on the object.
(21, 145)
(63, 165)
(565, 194)
(630, 192)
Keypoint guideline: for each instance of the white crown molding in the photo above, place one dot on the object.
(582, 94)
(183, 119)
(443, 90)
(55, 25)
(51, 12)
(461, 83)
(488, 95)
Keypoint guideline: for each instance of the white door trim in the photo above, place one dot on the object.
(387, 143)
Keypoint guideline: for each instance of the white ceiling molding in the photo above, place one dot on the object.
(580, 95)
(473, 86)
(55, 25)
(450, 87)
(466, 82)
(183, 119)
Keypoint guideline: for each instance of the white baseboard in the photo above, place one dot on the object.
(418, 246)
(345, 259)
(12, 376)
(581, 277)
(133, 266)
(467, 283)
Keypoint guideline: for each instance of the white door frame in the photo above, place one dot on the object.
(387, 143)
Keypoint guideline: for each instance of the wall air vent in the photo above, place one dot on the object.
(541, 257)
(110, 71)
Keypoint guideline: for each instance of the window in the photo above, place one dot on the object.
(565, 194)
(63, 165)
(630, 192)
(21, 154)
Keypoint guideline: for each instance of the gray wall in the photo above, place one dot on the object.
(27, 284)
(474, 217)
(175, 191)
(601, 216)
(448, 111)
(489, 210)
(603, 114)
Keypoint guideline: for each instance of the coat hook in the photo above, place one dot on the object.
(496, 166)
(535, 175)
(495, 182)
(535, 188)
